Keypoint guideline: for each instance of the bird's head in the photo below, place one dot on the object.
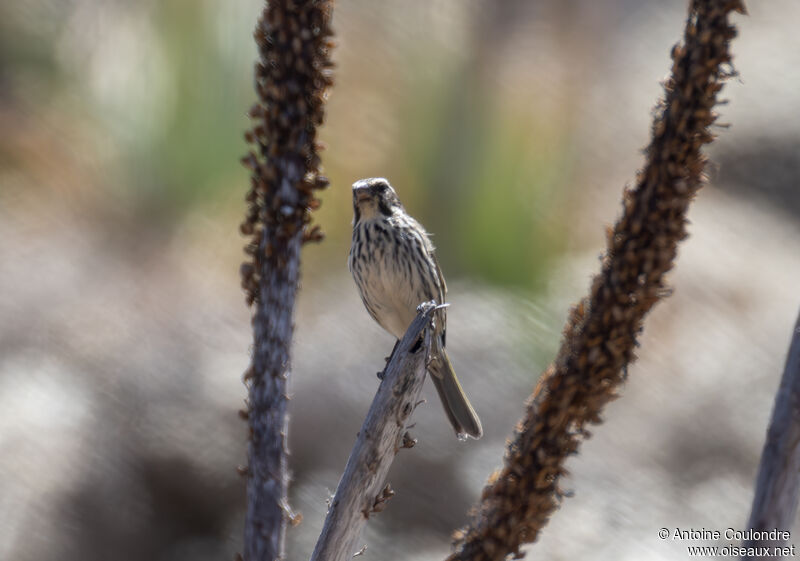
(372, 198)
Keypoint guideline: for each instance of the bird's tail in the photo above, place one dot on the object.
(459, 411)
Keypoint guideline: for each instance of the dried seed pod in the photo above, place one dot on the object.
(600, 336)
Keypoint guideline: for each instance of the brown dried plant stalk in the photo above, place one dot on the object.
(600, 335)
(291, 78)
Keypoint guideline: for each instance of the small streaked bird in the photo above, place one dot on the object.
(395, 268)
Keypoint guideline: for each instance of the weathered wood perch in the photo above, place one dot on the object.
(362, 489)
(778, 483)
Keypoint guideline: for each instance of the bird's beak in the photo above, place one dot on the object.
(361, 194)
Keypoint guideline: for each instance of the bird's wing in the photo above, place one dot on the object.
(442, 284)
(442, 295)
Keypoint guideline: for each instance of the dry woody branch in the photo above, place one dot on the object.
(778, 483)
(291, 79)
(362, 491)
(600, 336)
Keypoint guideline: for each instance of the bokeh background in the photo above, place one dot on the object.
(509, 128)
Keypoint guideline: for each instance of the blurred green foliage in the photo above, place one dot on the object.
(197, 157)
(489, 182)
(167, 85)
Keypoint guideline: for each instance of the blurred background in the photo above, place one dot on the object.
(509, 128)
